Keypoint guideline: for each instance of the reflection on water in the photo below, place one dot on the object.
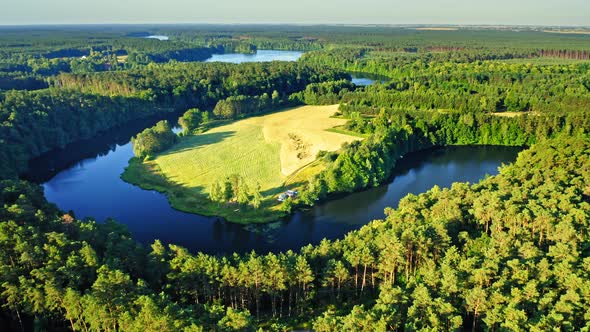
(259, 56)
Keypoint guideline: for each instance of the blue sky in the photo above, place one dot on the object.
(526, 12)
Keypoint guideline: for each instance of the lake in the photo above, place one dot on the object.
(158, 37)
(259, 56)
(364, 79)
(84, 177)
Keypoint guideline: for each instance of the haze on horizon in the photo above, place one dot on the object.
(460, 12)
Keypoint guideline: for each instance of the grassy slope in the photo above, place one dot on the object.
(257, 148)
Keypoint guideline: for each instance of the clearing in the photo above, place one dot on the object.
(271, 150)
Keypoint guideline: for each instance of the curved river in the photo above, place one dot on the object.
(84, 177)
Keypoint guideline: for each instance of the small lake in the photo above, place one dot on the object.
(364, 79)
(259, 56)
(84, 177)
(158, 37)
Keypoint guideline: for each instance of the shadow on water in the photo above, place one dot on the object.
(46, 166)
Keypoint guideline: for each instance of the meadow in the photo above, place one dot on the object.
(274, 151)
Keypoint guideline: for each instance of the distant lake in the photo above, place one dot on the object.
(158, 37)
(364, 79)
(259, 56)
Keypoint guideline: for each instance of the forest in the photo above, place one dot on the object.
(509, 253)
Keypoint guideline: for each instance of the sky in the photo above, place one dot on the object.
(467, 12)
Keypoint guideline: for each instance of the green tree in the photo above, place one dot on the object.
(256, 197)
(216, 192)
(190, 120)
(235, 320)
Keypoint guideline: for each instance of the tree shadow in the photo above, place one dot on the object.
(198, 141)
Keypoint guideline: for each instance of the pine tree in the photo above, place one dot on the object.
(215, 192)
(256, 197)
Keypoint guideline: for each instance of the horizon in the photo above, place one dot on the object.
(568, 13)
(385, 25)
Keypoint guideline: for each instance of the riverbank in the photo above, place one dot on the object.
(148, 176)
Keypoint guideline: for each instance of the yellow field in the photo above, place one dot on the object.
(265, 149)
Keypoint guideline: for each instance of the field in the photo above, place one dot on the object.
(273, 151)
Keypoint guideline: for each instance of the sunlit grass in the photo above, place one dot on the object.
(260, 149)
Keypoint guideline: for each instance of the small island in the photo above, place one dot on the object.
(243, 170)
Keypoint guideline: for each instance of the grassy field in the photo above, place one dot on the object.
(276, 151)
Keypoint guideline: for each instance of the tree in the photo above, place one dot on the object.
(227, 190)
(243, 196)
(235, 320)
(190, 120)
(287, 205)
(256, 197)
(153, 140)
(216, 192)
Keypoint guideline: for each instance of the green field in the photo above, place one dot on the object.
(260, 149)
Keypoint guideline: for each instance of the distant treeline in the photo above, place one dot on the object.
(437, 83)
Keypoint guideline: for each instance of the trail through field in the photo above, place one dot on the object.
(308, 125)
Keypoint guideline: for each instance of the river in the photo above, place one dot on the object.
(84, 177)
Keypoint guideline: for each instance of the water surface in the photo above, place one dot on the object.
(364, 79)
(259, 56)
(158, 37)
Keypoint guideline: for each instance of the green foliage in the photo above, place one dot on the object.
(38, 121)
(235, 321)
(326, 93)
(368, 163)
(153, 140)
(190, 120)
(216, 193)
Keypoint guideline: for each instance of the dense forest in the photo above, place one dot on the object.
(508, 253)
